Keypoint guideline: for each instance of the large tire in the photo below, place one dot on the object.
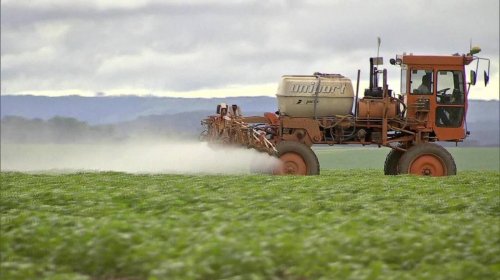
(392, 161)
(296, 159)
(427, 159)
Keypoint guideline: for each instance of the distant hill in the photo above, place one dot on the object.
(122, 116)
(483, 110)
(114, 109)
(483, 122)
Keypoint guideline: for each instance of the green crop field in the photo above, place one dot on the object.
(343, 224)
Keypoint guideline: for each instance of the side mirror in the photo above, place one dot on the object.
(486, 78)
(473, 77)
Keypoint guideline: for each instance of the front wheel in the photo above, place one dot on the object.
(427, 159)
(296, 159)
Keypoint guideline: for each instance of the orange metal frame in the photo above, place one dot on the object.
(417, 126)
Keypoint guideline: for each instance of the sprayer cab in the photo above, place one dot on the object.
(435, 90)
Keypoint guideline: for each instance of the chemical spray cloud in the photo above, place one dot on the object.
(137, 157)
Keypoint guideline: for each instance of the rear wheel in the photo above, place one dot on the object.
(296, 159)
(391, 162)
(427, 159)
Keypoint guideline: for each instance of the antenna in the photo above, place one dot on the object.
(378, 44)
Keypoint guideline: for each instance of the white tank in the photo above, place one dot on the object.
(297, 94)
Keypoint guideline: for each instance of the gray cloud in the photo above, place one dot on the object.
(175, 46)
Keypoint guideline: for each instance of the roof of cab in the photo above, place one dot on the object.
(437, 59)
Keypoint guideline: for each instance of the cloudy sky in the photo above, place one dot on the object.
(212, 48)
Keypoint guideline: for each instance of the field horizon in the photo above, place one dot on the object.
(153, 157)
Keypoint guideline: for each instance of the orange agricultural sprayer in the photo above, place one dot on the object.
(324, 109)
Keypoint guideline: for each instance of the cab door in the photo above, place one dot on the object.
(449, 112)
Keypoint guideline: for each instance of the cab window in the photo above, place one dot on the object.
(450, 88)
(421, 81)
(449, 116)
(403, 79)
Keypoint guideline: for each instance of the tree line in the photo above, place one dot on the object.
(20, 130)
(55, 130)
